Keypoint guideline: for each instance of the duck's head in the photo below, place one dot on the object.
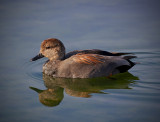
(51, 48)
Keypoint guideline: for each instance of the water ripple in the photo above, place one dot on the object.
(34, 70)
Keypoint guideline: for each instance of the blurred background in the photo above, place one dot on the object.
(80, 24)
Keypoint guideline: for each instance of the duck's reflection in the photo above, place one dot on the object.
(53, 95)
(50, 97)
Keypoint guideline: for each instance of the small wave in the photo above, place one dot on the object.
(34, 70)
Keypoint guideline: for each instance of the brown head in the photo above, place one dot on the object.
(51, 48)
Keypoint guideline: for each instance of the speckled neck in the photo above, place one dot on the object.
(50, 67)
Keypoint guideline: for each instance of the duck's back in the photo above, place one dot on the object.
(90, 65)
(94, 51)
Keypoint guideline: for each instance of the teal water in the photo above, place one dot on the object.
(28, 95)
(123, 26)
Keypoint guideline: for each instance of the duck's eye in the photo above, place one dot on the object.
(48, 47)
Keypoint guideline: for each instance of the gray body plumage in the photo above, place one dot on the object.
(68, 68)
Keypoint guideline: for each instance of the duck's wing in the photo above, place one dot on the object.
(95, 51)
(93, 65)
(88, 58)
(122, 64)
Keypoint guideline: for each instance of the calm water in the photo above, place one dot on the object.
(28, 95)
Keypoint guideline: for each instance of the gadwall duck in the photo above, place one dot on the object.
(81, 63)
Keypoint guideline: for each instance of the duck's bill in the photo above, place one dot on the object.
(37, 57)
(35, 89)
